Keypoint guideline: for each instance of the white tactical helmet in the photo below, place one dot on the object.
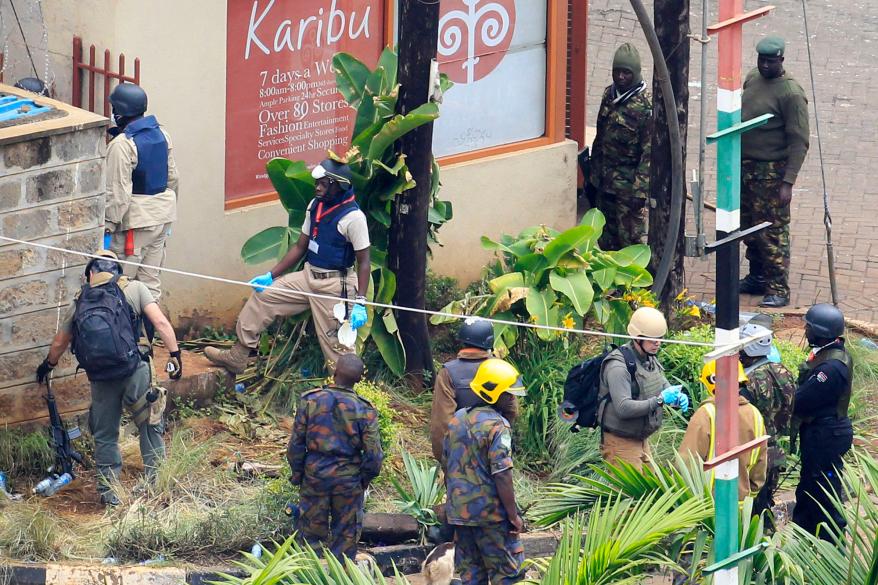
(762, 346)
(647, 322)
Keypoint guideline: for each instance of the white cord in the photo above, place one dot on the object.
(372, 303)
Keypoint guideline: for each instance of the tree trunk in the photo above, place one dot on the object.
(671, 18)
(418, 38)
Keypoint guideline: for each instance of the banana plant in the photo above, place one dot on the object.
(380, 174)
(558, 279)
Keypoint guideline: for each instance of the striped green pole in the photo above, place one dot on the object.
(728, 220)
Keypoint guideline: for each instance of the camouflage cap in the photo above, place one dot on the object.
(772, 46)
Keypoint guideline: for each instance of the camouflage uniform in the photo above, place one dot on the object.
(619, 168)
(478, 445)
(334, 452)
(772, 388)
(768, 251)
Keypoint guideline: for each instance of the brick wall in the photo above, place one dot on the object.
(51, 192)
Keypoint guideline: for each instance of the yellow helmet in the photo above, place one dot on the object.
(493, 378)
(708, 376)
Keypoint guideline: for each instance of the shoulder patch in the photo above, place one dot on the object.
(506, 440)
(822, 377)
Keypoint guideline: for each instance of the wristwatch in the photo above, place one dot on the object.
(360, 300)
(661, 401)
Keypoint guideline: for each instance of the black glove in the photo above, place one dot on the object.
(175, 366)
(43, 371)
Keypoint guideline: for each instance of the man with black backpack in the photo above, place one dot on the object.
(623, 391)
(103, 325)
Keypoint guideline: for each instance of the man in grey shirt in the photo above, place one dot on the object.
(634, 381)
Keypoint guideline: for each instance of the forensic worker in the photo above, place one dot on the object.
(826, 433)
(771, 158)
(334, 234)
(619, 164)
(104, 336)
(141, 187)
(633, 391)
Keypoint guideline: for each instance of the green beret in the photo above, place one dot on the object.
(771, 47)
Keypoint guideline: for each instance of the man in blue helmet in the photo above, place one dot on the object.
(141, 187)
(334, 236)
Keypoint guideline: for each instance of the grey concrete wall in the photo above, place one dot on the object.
(51, 192)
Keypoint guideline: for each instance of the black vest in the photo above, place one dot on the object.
(833, 353)
(462, 373)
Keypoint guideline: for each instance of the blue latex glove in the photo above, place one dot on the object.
(107, 239)
(260, 282)
(684, 402)
(358, 316)
(671, 396)
(774, 354)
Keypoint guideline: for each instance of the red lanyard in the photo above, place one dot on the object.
(321, 214)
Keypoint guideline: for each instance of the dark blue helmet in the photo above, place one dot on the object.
(128, 100)
(33, 85)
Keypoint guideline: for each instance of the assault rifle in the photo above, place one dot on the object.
(61, 473)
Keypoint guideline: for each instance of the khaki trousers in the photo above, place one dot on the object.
(615, 448)
(149, 248)
(262, 308)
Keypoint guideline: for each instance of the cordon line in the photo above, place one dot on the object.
(372, 303)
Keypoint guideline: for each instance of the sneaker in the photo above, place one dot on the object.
(109, 499)
(774, 301)
(751, 285)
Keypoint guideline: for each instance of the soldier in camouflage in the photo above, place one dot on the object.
(772, 389)
(478, 479)
(619, 164)
(334, 452)
(771, 157)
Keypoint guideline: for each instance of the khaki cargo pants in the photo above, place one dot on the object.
(149, 248)
(633, 451)
(264, 307)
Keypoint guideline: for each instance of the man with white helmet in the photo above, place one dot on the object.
(631, 404)
(771, 388)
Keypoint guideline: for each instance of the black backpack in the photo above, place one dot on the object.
(104, 333)
(583, 385)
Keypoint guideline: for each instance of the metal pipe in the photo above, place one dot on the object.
(677, 175)
(702, 142)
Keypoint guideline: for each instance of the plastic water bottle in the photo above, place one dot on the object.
(256, 550)
(868, 344)
(3, 480)
(239, 388)
(41, 487)
(59, 483)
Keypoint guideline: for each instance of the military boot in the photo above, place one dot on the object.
(234, 360)
(751, 285)
(774, 301)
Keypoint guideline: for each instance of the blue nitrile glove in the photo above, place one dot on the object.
(671, 395)
(358, 316)
(774, 355)
(260, 282)
(108, 237)
(684, 402)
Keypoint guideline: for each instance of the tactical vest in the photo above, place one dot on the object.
(835, 353)
(461, 372)
(150, 176)
(645, 385)
(328, 249)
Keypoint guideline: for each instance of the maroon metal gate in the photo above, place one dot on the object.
(81, 69)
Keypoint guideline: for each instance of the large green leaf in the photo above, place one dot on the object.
(399, 126)
(636, 255)
(595, 219)
(266, 245)
(540, 305)
(389, 62)
(510, 279)
(576, 287)
(504, 335)
(633, 277)
(350, 77)
(293, 182)
(533, 265)
(604, 278)
(389, 345)
(366, 115)
(572, 239)
(439, 212)
(386, 287)
(601, 308)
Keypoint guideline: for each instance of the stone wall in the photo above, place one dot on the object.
(51, 192)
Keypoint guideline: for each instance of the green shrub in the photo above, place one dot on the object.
(25, 452)
(440, 290)
(380, 399)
